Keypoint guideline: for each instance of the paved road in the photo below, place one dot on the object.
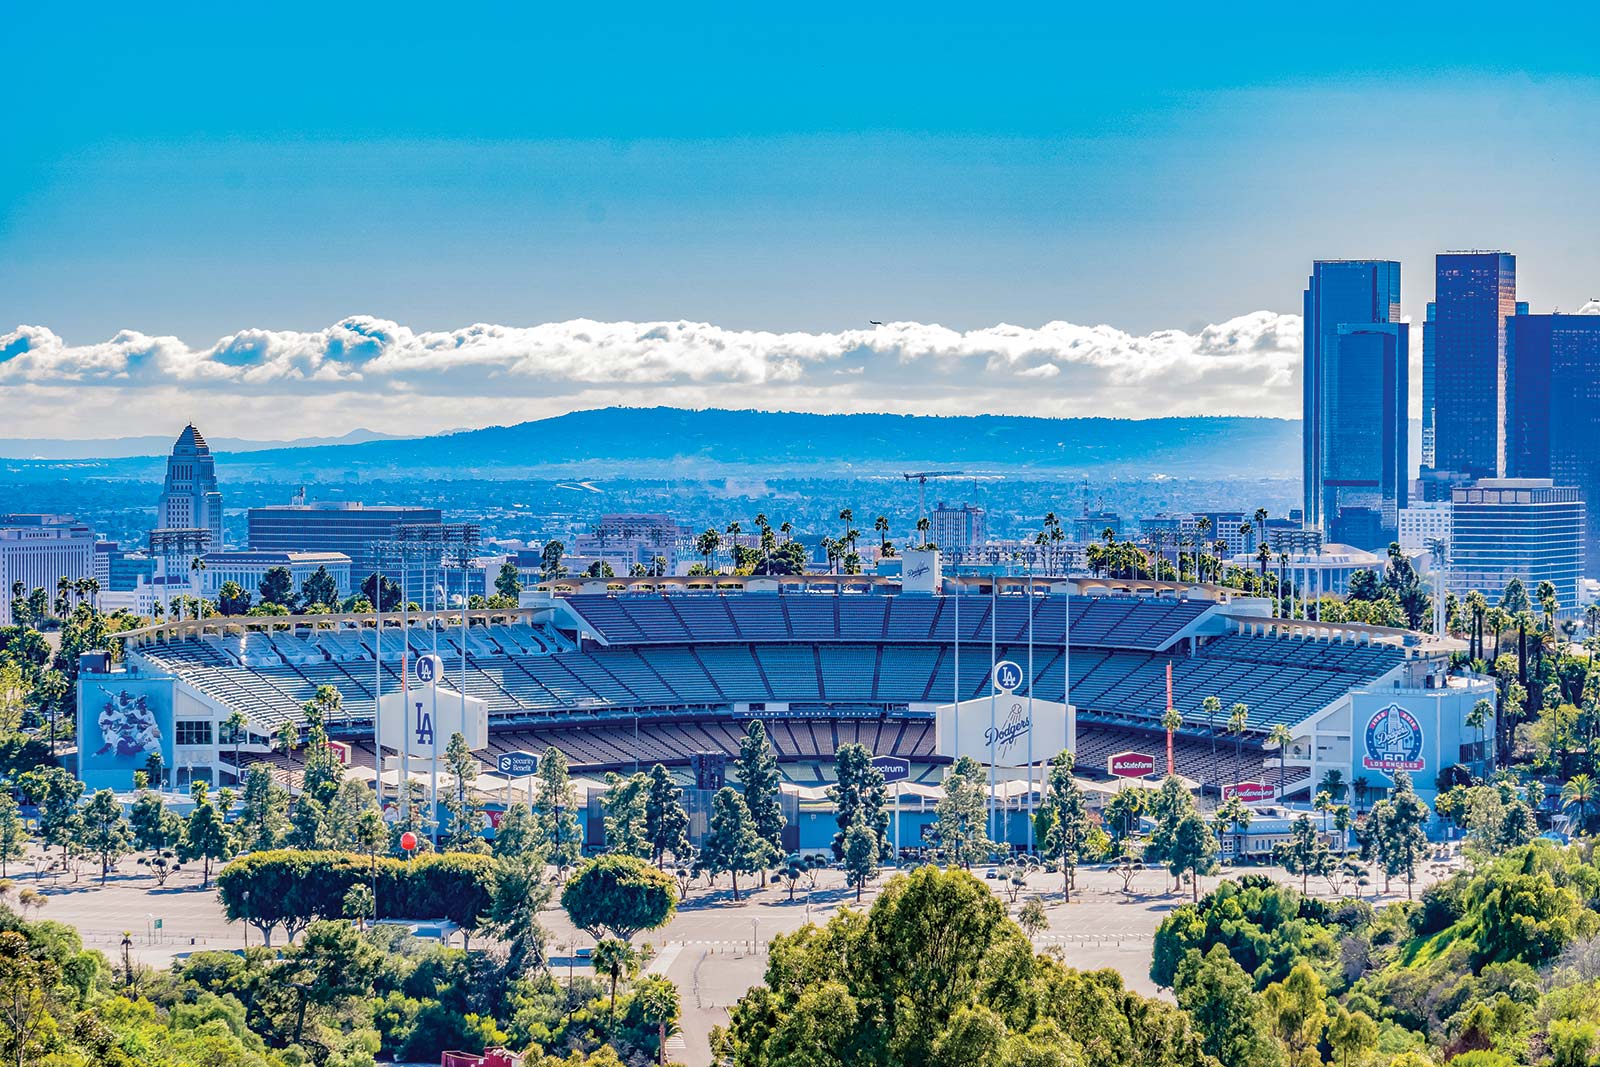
(713, 949)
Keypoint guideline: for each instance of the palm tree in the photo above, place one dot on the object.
(707, 544)
(1359, 787)
(1478, 719)
(1238, 723)
(1579, 799)
(1333, 784)
(787, 529)
(1170, 722)
(1202, 527)
(1282, 738)
(236, 723)
(1261, 523)
(1323, 803)
(197, 567)
(847, 516)
(733, 530)
(1497, 619)
(1212, 706)
(63, 596)
(1477, 605)
(881, 524)
(922, 530)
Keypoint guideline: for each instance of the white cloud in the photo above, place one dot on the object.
(378, 373)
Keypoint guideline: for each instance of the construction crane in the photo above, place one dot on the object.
(921, 478)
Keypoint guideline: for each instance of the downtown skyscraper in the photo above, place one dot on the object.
(1552, 389)
(190, 498)
(1474, 294)
(1355, 431)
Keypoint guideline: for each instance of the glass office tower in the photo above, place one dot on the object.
(1553, 408)
(1474, 294)
(1345, 292)
(1365, 433)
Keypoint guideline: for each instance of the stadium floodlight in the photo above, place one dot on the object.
(167, 544)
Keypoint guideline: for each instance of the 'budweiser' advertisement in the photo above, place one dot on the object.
(1130, 765)
(1249, 792)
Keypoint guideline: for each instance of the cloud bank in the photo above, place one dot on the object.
(378, 373)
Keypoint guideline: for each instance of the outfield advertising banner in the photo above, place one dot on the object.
(123, 719)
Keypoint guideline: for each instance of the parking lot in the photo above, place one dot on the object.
(713, 949)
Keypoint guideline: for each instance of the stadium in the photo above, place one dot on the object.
(623, 674)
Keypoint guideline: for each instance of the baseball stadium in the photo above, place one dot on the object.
(624, 674)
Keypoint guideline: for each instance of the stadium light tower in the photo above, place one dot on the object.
(167, 544)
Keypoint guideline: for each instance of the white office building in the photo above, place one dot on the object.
(247, 568)
(38, 551)
(1527, 528)
(1422, 524)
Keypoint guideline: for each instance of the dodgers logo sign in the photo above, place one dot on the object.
(1011, 731)
(1394, 741)
(1007, 676)
(429, 669)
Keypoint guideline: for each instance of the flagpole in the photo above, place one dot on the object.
(994, 655)
(1030, 703)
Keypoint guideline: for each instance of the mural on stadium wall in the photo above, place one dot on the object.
(123, 720)
(1393, 741)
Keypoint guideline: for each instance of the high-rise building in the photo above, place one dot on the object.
(189, 498)
(1365, 433)
(1474, 294)
(1427, 390)
(958, 529)
(353, 528)
(1553, 408)
(1527, 528)
(1360, 292)
(37, 551)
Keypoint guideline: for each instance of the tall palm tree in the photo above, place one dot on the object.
(881, 524)
(734, 529)
(1202, 529)
(922, 530)
(1281, 737)
(1497, 619)
(236, 723)
(1333, 784)
(707, 544)
(1261, 523)
(197, 567)
(1359, 787)
(1170, 722)
(1478, 719)
(1212, 706)
(1477, 604)
(63, 596)
(787, 529)
(847, 516)
(1580, 797)
(1238, 723)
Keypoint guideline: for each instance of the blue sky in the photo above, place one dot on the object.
(189, 172)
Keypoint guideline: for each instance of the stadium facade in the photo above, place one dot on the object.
(625, 674)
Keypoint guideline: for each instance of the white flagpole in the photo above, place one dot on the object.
(1030, 704)
(994, 656)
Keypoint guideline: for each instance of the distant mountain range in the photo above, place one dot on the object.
(153, 445)
(675, 442)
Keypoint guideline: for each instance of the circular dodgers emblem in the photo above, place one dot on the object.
(1394, 741)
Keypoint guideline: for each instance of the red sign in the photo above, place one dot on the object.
(1249, 792)
(1130, 765)
(341, 752)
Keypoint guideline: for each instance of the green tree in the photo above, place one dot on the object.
(13, 832)
(56, 794)
(321, 589)
(613, 958)
(732, 843)
(508, 583)
(757, 768)
(103, 831)
(330, 967)
(659, 1006)
(858, 793)
(625, 803)
(555, 809)
(621, 895)
(1221, 999)
(461, 803)
(1234, 815)
(1352, 1035)
(1396, 831)
(963, 815)
(1193, 851)
(666, 823)
(263, 821)
(1067, 816)
(1297, 1008)
(233, 599)
(1305, 853)
(277, 587)
(860, 857)
(550, 565)
(206, 837)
